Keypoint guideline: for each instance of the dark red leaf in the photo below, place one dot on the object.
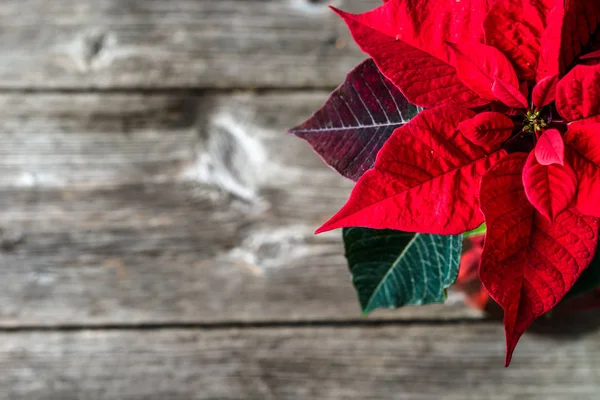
(550, 148)
(550, 188)
(508, 94)
(395, 36)
(583, 151)
(487, 129)
(478, 66)
(550, 42)
(528, 263)
(544, 92)
(578, 93)
(580, 23)
(573, 28)
(361, 114)
(591, 56)
(426, 179)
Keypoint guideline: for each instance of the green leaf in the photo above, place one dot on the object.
(391, 268)
(588, 280)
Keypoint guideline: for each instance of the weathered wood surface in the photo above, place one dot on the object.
(156, 231)
(85, 44)
(236, 141)
(144, 209)
(168, 254)
(453, 362)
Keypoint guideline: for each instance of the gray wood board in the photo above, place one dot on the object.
(454, 362)
(84, 44)
(169, 254)
(136, 209)
(235, 141)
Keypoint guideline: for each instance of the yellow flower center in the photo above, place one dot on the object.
(534, 122)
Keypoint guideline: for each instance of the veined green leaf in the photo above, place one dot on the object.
(391, 268)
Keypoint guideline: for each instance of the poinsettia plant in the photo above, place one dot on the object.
(470, 116)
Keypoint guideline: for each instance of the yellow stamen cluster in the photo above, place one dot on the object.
(533, 122)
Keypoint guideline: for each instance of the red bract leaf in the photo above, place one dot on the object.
(487, 129)
(478, 66)
(508, 94)
(571, 28)
(580, 23)
(516, 27)
(395, 36)
(544, 92)
(591, 56)
(578, 93)
(429, 24)
(586, 121)
(549, 188)
(549, 60)
(357, 119)
(550, 148)
(426, 179)
(528, 264)
(583, 150)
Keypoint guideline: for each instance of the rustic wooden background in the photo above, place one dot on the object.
(156, 221)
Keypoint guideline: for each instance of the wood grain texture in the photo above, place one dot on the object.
(86, 44)
(76, 140)
(105, 140)
(137, 209)
(156, 231)
(456, 362)
(170, 253)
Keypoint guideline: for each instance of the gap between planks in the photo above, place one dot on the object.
(227, 325)
(174, 91)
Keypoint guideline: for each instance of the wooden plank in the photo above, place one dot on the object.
(173, 253)
(76, 140)
(454, 362)
(96, 140)
(127, 208)
(83, 44)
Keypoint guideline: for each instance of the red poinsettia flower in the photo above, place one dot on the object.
(510, 136)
